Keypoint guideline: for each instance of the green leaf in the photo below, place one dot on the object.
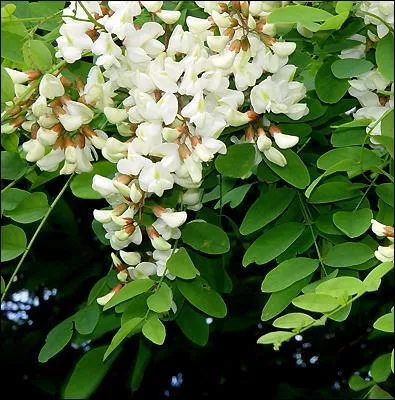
(334, 22)
(385, 323)
(56, 340)
(343, 165)
(10, 142)
(297, 13)
(363, 159)
(340, 286)
(143, 357)
(387, 142)
(11, 198)
(278, 301)
(87, 318)
(128, 328)
(136, 307)
(154, 330)
(348, 137)
(100, 288)
(373, 279)
(205, 237)
(193, 325)
(310, 288)
(272, 243)
(329, 88)
(356, 383)
(237, 162)
(316, 302)
(11, 46)
(354, 124)
(181, 265)
(161, 300)
(287, 273)
(335, 191)
(275, 338)
(342, 314)
(234, 197)
(387, 124)
(32, 208)
(343, 6)
(36, 55)
(350, 67)
(273, 202)
(353, 223)
(347, 255)
(12, 166)
(130, 290)
(295, 172)
(386, 193)
(381, 368)
(377, 393)
(81, 185)
(87, 374)
(293, 321)
(7, 87)
(100, 232)
(13, 242)
(199, 293)
(385, 56)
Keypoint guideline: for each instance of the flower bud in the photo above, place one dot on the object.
(157, 241)
(51, 87)
(102, 216)
(217, 43)
(130, 257)
(169, 17)
(171, 218)
(135, 193)
(115, 115)
(105, 299)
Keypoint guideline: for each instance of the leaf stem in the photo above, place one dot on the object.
(307, 218)
(32, 240)
(11, 184)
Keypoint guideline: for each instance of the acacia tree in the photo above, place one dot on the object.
(222, 136)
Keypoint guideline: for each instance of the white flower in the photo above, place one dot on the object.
(169, 17)
(279, 95)
(283, 49)
(17, 76)
(170, 217)
(121, 21)
(34, 150)
(383, 9)
(385, 254)
(156, 179)
(50, 162)
(157, 241)
(130, 257)
(114, 150)
(105, 299)
(142, 271)
(103, 185)
(152, 6)
(51, 87)
(192, 199)
(115, 115)
(283, 141)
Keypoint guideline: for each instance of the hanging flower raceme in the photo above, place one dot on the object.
(384, 253)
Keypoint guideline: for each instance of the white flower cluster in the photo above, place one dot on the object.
(384, 253)
(373, 91)
(170, 90)
(58, 127)
(379, 13)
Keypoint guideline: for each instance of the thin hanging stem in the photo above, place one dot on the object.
(11, 184)
(29, 246)
(307, 218)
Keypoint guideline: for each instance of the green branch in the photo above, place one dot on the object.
(32, 240)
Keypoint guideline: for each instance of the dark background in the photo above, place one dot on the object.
(67, 259)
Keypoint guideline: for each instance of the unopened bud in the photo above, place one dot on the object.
(223, 7)
(79, 84)
(33, 75)
(236, 5)
(124, 179)
(65, 82)
(244, 9)
(80, 141)
(235, 46)
(92, 33)
(58, 111)
(383, 100)
(274, 129)
(260, 24)
(183, 151)
(117, 262)
(268, 40)
(59, 143)
(249, 133)
(252, 115)
(229, 32)
(35, 128)
(245, 44)
(233, 22)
